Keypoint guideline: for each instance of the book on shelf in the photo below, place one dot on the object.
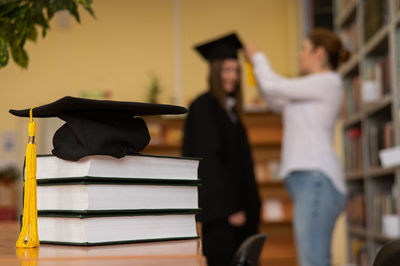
(376, 83)
(356, 210)
(343, 4)
(164, 135)
(156, 132)
(390, 157)
(106, 168)
(267, 170)
(350, 37)
(382, 204)
(380, 136)
(101, 229)
(390, 225)
(276, 210)
(359, 252)
(272, 210)
(375, 16)
(352, 99)
(353, 149)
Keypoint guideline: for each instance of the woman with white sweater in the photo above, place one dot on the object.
(310, 106)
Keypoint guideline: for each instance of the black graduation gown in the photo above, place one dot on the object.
(227, 176)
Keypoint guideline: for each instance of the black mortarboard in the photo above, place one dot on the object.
(99, 127)
(221, 48)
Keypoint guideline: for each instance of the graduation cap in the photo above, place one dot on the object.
(93, 127)
(222, 48)
(99, 127)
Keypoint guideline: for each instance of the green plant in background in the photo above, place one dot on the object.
(20, 20)
(154, 89)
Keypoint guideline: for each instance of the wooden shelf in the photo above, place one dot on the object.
(375, 40)
(373, 108)
(278, 252)
(163, 146)
(271, 183)
(380, 238)
(350, 66)
(355, 175)
(278, 222)
(358, 231)
(262, 145)
(347, 14)
(363, 233)
(397, 20)
(163, 149)
(379, 172)
(353, 119)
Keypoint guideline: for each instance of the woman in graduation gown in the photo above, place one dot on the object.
(228, 195)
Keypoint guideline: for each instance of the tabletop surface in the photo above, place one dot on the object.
(183, 252)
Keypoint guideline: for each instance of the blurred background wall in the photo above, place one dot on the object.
(130, 42)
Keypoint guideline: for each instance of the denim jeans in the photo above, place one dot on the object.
(317, 204)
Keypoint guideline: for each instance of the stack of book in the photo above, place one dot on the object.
(102, 200)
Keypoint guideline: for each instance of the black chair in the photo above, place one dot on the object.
(249, 251)
(389, 255)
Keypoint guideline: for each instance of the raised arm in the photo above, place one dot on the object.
(274, 86)
(276, 104)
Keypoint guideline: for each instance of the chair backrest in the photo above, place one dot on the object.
(249, 251)
(389, 255)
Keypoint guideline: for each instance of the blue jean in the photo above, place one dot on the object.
(317, 204)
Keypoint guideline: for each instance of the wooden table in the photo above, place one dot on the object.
(185, 252)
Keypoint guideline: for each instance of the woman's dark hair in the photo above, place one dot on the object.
(216, 86)
(332, 44)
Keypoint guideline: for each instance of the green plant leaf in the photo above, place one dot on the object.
(20, 20)
(20, 56)
(6, 7)
(31, 33)
(86, 4)
(4, 55)
(72, 7)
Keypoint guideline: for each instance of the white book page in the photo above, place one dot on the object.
(107, 229)
(51, 167)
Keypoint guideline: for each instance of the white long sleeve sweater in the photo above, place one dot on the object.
(310, 106)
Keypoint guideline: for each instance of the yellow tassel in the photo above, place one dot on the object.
(250, 75)
(29, 237)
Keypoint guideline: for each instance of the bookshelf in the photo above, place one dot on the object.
(264, 131)
(370, 29)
